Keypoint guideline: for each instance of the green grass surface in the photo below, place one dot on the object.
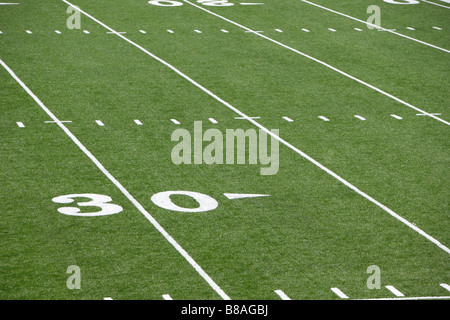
(313, 233)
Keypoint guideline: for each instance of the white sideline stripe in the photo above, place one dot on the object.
(287, 144)
(213, 120)
(20, 124)
(288, 119)
(282, 295)
(396, 116)
(394, 291)
(101, 124)
(167, 297)
(436, 4)
(321, 62)
(378, 27)
(175, 121)
(119, 185)
(138, 122)
(339, 293)
(360, 117)
(445, 286)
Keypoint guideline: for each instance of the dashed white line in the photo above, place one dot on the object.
(197, 31)
(167, 297)
(324, 118)
(339, 293)
(358, 29)
(332, 30)
(143, 31)
(360, 117)
(107, 298)
(20, 124)
(437, 28)
(170, 31)
(282, 295)
(28, 31)
(410, 28)
(278, 30)
(212, 120)
(288, 119)
(396, 116)
(305, 30)
(86, 31)
(394, 291)
(224, 31)
(175, 121)
(57, 32)
(100, 123)
(243, 115)
(138, 122)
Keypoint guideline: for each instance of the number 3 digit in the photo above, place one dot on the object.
(97, 200)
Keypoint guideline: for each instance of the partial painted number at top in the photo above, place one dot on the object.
(211, 3)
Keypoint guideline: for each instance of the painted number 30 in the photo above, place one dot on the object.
(164, 3)
(104, 207)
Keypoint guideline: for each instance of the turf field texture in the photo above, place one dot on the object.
(363, 153)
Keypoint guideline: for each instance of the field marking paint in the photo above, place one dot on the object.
(138, 122)
(396, 116)
(437, 28)
(57, 32)
(20, 124)
(107, 298)
(288, 119)
(358, 29)
(8, 4)
(251, 4)
(86, 32)
(376, 26)
(282, 295)
(305, 30)
(320, 62)
(332, 30)
(63, 121)
(233, 196)
(360, 117)
(278, 30)
(436, 4)
(197, 31)
(339, 293)
(168, 30)
(394, 291)
(275, 136)
(246, 118)
(101, 124)
(212, 120)
(124, 191)
(143, 31)
(224, 31)
(410, 28)
(445, 286)
(175, 121)
(28, 31)
(167, 297)
(323, 118)
(412, 298)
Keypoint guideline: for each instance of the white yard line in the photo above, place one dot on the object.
(339, 293)
(287, 144)
(412, 298)
(321, 62)
(377, 27)
(125, 192)
(282, 295)
(436, 4)
(394, 291)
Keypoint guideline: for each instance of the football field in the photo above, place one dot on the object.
(119, 178)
